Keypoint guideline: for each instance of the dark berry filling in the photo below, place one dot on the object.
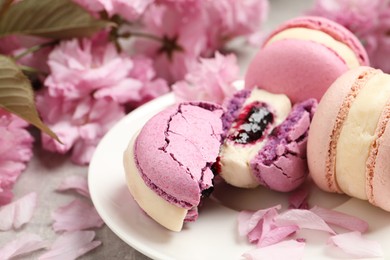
(252, 122)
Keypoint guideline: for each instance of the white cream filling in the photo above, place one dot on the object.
(323, 38)
(235, 158)
(165, 213)
(357, 134)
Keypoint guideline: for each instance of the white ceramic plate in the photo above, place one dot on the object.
(214, 234)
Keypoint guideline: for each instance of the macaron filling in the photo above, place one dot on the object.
(377, 166)
(281, 164)
(330, 164)
(357, 134)
(240, 147)
(306, 34)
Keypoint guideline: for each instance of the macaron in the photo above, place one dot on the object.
(303, 56)
(265, 140)
(168, 164)
(349, 138)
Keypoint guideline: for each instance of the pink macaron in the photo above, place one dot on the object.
(168, 164)
(349, 138)
(303, 57)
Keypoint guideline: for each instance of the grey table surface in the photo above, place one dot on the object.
(46, 170)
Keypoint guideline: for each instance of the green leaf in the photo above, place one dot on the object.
(16, 94)
(57, 19)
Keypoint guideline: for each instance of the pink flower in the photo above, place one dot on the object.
(191, 29)
(87, 91)
(80, 67)
(359, 16)
(79, 123)
(182, 34)
(129, 10)
(16, 44)
(209, 79)
(232, 18)
(15, 151)
(94, 67)
(144, 73)
(369, 20)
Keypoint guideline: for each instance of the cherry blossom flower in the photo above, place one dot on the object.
(13, 45)
(79, 123)
(129, 10)
(15, 152)
(87, 90)
(78, 67)
(188, 30)
(209, 79)
(232, 18)
(369, 20)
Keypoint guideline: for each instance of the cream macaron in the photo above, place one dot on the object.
(349, 138)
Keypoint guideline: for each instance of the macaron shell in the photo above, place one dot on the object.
(300, 69)
(173, 154)
(338, 32)
(378, 184)
(325, 123)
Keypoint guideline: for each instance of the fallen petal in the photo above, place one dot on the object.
(341, 219)
(286, 250)
(263, 227)
(71, 245)
(17, 213)
(76, 183)
(303, 219)
(298, 198)
(276, 235)
(248, 220)
(25, 244)
(355, 245)
(77, 215)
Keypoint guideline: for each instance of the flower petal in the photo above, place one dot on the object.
(77, 183)
(248, 220)
(77, 215)
(298, 198)
(341, 219)
(17, 213)
(71, 245)
(286, 250)
(277, 234)
(355, 245)
(27, 243)
(263, 226)
(304, 219)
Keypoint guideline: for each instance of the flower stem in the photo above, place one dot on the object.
(142, 35)
(29, 69)
(33, 49)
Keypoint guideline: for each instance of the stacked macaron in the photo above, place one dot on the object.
(265, 140)
(349, 139)
(303, 57)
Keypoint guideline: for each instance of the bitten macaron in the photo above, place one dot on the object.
(303, 56)
(349, 138)
(168, 164)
